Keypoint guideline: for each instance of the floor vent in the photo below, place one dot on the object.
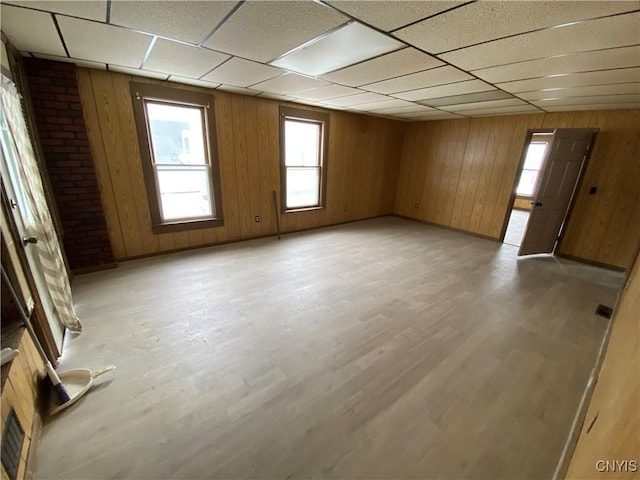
(604, 311)
(12, 439)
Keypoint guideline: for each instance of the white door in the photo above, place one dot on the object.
(559, 177)
(25, 224)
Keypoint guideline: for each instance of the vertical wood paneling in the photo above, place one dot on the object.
(105, 100)
(603, 228)
(469, 176)
(129, 138)
(229, 184)
(364, 157)
(98, 154)
(266, 149)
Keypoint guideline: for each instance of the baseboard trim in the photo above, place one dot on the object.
(590, 262)
(32, 455)
(446, 227)
(96, 268)
(238, 240)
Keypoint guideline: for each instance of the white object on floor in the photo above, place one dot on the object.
(77, 382)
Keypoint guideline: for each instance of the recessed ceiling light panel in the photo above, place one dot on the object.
(339, 48)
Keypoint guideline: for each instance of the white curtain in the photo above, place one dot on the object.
(41, 224)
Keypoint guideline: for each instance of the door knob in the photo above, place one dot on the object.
(27, 240)
(536, 204)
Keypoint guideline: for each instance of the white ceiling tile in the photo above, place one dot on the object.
(459, 88)
(263, 31)
(576, 62)
(181, 59)
(496, 112)
(391, 103)
(393, 64)
(432, 114)
(599, 106)
(289, 83)
(89, 9)
(625, 75)
(103, 43)
(78, 62)
(138, 72)
(303, 101)
(189, 21)
(618, 31)
(591, 100)
(380, 105)
(239, 90)
(274, 96)
(428, 78)
(31, 31)
(615, 89)
(191, 81)
(407, 109)
(388, 16)
(495, 19)
(467, 98)
(242, 73)
(359, 99)
(483, 105)
(427, 117)
(327, 92)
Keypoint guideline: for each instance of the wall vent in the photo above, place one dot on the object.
(12, 439)
(604, 311)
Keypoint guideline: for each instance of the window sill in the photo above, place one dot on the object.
(187, 225)
(303, 209)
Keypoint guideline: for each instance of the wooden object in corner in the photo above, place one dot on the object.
(611, 430)
(20, 392)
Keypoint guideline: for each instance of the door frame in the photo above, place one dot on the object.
(578, 185)
(523, 157)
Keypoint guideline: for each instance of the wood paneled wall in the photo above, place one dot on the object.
(364, 158)
(461, 173)
(611, 430)
(20, 392)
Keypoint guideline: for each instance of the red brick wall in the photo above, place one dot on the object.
(63, 136)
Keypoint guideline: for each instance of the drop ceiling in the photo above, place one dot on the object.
(419, 60)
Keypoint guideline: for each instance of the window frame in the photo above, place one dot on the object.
(309, 116)
(142, 92)
(542, 165)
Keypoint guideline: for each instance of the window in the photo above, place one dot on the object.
(531, 169)
(303, 150)
(176, 131)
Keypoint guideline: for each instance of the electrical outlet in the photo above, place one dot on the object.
(257, 219)
(346, 208)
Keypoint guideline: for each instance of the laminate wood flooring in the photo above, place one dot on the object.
(378, 349)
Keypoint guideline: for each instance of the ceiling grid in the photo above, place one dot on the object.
(411, 60)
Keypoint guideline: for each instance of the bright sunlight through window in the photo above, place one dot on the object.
(303, 163)
(531, 169)
(180, 160)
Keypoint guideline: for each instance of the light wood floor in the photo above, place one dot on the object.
(378, 349)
